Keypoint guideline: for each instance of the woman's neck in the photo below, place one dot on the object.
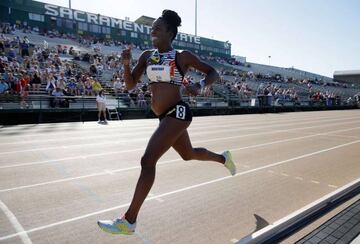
(165, 49)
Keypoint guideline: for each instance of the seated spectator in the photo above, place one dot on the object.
(117, 86)
(93, 69)
(36, 81)
(4, 87)
(50, 83)
(24, 48)
(141, 100)
(61, 84)
(96, 86)
(58, 100)
(80, 88)
(2, 66)
(23, 95)
(11, 54)
(88, 87)
(71, 86)
(24, 80)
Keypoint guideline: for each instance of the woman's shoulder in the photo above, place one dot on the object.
(146, 53)
(182, 53)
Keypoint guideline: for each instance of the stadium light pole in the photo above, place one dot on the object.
(195, 17)
(69, 4)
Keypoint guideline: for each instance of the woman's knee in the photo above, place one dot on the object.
(188, 155)
(148, 161)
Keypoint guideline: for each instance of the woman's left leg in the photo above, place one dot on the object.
(187, 152)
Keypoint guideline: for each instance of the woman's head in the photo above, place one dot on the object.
(165, 28)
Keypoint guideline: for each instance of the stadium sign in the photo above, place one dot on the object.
(98, 19)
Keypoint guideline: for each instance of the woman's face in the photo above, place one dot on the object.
(159, 33)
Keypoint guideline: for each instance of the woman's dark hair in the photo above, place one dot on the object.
(172, 20)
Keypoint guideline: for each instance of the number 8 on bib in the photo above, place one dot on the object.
(180, 112)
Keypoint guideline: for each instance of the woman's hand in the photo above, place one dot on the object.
(193, 89)
(126, 56)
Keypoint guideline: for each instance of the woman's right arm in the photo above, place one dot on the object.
(132, 77)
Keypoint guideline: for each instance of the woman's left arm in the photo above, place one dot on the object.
(190, 60)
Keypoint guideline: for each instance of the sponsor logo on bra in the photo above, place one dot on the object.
(157, 68)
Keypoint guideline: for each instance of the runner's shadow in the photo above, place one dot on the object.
(260, 223)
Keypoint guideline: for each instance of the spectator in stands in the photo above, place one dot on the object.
(2, 46)
(11, 54)
(117, 86)
(88, 87)
(101, 105)
(80, 88)
(25, 48)
(141, 100)
(23, 95)
(63, 77)
(24, 80)
(50, 83)
(61, 84)
(36, 81)
(2, 66)
(4, 87)
(16, 85)
(58, 99)
(71, 86)
(96, 86)
(93, 70)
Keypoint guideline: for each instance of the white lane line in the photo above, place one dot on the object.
(223, 138)
(299, 178)
(64, 180)
(111, 142)
(140, 127)
(138, 167)
(315, 182)
(15, 223)
(71, 158)
(283, 174)
(104, 172)
(343, 136)
(332, 186)
(332, 135)
(157, 199)
(286, 140)
(177, 191)
(109, 172)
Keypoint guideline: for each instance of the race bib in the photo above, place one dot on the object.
(180, 112)
(157, 73)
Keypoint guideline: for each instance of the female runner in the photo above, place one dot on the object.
(165, 68)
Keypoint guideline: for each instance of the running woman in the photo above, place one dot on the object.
(165, 68)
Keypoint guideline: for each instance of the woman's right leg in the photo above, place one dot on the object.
(163, 138)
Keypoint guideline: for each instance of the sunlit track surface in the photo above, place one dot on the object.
(57, 180)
